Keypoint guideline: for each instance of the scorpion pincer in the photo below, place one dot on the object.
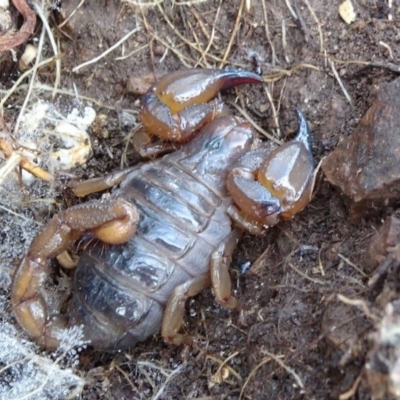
(170, 228)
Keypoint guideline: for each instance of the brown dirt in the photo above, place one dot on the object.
(295, 339)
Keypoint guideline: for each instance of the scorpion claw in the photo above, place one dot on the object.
(179, 104)
(274, 184)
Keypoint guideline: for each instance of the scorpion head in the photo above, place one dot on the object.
(217, 147)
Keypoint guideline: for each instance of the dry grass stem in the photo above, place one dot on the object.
(351, 393)
(358, 303)
(143, 4)
(186, 61)
(290, 8)
(301, 273)
(171, 376)
(336, 75)
(172, 26)
(123, 373)
(255, 125)
(233, 35)
(274, 112)
(20, 79)
(222, 365)
(212, 36)
(284, 42)
(321, 37)
(285, 367)
(348, 262)
(71, 15)
(57, 58)
(109, 50)
(271, 45)
(320, 264)
(388, 48)
(9, 166)
(19, 215)
(252, 373)
(47, 88)
(132, 52)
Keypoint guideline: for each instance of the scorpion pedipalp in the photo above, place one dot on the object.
(272, 183)
(179, 104)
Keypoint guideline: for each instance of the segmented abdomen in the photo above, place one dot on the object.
(120, 291)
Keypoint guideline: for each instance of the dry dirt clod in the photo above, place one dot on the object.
(365, 165)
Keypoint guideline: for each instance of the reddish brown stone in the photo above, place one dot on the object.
(366, 165)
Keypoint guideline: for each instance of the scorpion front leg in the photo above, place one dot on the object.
(113, 222)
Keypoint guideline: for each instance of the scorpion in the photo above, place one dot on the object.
(170, 226)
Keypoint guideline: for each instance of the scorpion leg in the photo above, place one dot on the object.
(113, 222)
(219, 279)
(219, 270)
(95, 185)
(175, 309)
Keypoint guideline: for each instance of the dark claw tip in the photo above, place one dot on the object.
(232, 77)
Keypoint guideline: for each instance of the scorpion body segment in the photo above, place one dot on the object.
(169, 230)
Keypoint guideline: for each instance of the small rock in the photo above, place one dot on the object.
(387, 236)
(366, 164)
(139, 85)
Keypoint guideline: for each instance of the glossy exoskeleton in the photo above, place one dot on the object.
(169, 230)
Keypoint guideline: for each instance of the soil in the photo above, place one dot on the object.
(295, 338)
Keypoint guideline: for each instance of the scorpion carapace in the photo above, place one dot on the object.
(167, 232)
